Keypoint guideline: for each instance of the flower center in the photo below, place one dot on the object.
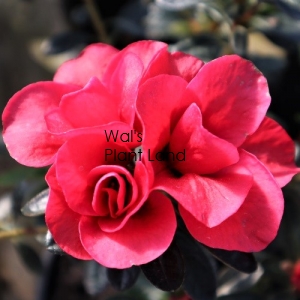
(114, 191)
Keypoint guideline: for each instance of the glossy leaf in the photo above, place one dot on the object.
(241, 261)
(95, 279)
(167, 271)
(37, 205)
(123, 279)
(200, 274)
(29, 257)
(51, 245)
(232, 281)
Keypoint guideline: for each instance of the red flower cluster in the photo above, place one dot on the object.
(118, 211)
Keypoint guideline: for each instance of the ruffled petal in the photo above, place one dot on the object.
(186, 65)
(145, 50)
(158, 99)
(92, 62)
(203, 153)
(254, 225)
(233, 97)
(76, 158)
(57, 123)
(146, 235)
(143, 186)
(123, 82)
(91, 106)
(275, 149)
(178, 63)
(62, 222)
(160, 64)
(117, 132)
(210, 199)
(135, 194)
(24, 128)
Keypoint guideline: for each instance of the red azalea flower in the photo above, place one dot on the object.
(111, 210)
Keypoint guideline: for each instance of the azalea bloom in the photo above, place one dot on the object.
(107, 206)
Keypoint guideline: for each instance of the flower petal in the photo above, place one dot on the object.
(91, 106)
(178, 63)
(160, 64)
(145, 50)
(123, 82)
(91, 62)
(24, 128)
(143, 186)
(157, 101)
(76, 158)
(233, 97)
(117, 132)
(57, 123)
(210, 199)
(204, 152)
(146, 235)
(254, 225)
(186, 65)
(62, 222)
(275, 149)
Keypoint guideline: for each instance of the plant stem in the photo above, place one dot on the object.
(22, 231)
(97, 21)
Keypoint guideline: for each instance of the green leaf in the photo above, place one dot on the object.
(123, 279)
(37, 205)
(167, 271)
(29, 257)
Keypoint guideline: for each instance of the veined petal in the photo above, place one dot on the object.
(275, 149)
(92, 62)
(75, 159)
(144, 50)
(254, 225)
(186, 65)
(160, 64)
(145, 236)
(123, 82)
(57, 123)
(204, 152)
(24, 128)
(158, 99)
(210, 199)
(180, 64)
(233, 97)
(62, 222)
(91, 106)
(117, 132)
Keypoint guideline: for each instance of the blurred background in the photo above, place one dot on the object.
(36, 36)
